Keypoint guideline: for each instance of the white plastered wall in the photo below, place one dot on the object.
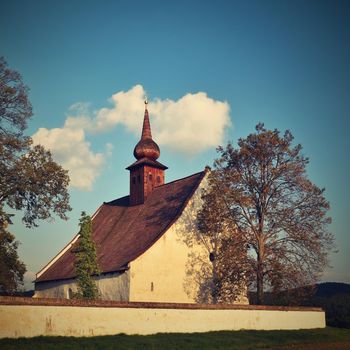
(159, 274)
(112, 286)
(34, 320)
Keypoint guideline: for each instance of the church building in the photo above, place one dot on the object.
(140, 238)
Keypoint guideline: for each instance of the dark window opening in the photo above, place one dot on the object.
(158, 179)
(152, 287)
(150, 177)
(133, 180)
(138, 178)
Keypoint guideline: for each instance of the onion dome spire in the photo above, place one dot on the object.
(146, 147)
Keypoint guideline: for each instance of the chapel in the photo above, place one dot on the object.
(140, 238)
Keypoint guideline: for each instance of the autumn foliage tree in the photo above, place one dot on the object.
(85, 264)
(215, 268)
(270, 207)
(30, 180)
(227, 250)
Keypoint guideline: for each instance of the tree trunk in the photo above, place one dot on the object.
(214, 291)
(260, 283)
(260, 260)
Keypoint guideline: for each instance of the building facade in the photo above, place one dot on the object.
(140, 238)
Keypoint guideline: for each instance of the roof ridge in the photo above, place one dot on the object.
(183, 178)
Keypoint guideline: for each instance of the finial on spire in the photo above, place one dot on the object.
(146, 103)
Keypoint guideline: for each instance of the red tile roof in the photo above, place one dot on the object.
(122, 232)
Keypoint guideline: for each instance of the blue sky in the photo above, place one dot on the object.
(285, 63)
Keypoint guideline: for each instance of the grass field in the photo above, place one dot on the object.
(241, 340)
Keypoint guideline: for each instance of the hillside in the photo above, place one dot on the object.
(333, 297)
(329, 289)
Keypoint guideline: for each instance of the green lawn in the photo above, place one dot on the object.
(241, 340)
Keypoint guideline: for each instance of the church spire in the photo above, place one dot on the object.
(146, 128)
(146, 173)
(146, 147)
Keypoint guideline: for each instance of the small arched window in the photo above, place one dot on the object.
(152, 287)
(150, 177)
(70, 293)
(158, 179)
(138, 178)
(133, 180)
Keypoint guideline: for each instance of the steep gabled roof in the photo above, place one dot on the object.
(123, 232)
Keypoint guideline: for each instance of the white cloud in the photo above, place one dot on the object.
(191, 124)
(70, 149)
(79, 117)
(127, 109)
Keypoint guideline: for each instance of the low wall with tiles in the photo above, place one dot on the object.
(27, 317)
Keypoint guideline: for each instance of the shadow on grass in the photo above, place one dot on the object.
(242, 340)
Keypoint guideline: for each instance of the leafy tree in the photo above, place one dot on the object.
(29, 178)
(86, 261)
(15, 108)
(11, 268)
(279, 214)
(30, 181)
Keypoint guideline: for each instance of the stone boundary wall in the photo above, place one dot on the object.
(29, 317)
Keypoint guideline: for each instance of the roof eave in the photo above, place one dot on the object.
(153, 164)
(120, 269)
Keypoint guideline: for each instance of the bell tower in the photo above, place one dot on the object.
(146, 173)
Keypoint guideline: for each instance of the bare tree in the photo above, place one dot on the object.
(278, 213)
